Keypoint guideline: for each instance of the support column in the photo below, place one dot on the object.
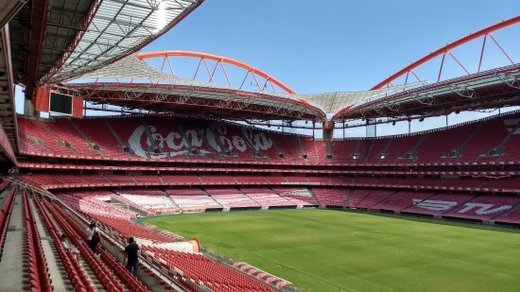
(29, 108)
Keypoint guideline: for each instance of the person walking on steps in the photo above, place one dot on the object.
(93, 236)
(132, 256)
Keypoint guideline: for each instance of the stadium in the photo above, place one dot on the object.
(230, 180)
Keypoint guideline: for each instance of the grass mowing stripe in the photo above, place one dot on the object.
(323, 250)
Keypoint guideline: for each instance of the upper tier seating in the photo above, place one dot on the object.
(512, 146)
(511, 185)
(41, 140)
(181, 139)
(99, 133)
(64, 131)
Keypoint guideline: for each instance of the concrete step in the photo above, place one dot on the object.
(91, 276)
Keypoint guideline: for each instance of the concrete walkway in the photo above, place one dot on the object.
(11, 266)
(3, 195)
(57, 274)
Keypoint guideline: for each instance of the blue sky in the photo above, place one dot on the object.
(340, 45)
(343, 45)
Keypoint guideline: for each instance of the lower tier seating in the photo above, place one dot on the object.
(266, 197)
(192, 200)
(331, 197)
(232, 198)
(483, 208)
(212, 274)
(401, 200)
(299, 196)
(367, 199)
(437, 204)
(153, 201)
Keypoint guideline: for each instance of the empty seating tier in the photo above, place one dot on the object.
(182, 140)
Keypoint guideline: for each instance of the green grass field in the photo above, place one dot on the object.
(322, 250)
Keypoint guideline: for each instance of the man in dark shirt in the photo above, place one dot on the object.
(132, 261)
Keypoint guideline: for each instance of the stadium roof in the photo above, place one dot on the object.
(335, 101)
(140, 80)
(132, 83)
(494, 88)
(61, 39)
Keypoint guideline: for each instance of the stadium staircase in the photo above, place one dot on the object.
(149, 145)
(131, 205)
(191, 148)
(133, 179)
(13, 240)
(348, 198)
(249, 197)
(500, 148)
(385, 150)
(170, 198)
(357, 151)
(368, 153)
(384, 198)
(54, 135)
(311, 191)
(462, 146)
(120, 143)
(161, 179)
(414, 151)
(216, 202)
(87, 138)
(515, 206)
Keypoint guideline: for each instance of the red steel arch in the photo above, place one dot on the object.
(446, 50)
(220, 60)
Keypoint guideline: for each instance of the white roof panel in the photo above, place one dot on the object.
(119, 28)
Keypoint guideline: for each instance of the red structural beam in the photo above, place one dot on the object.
(448, 48)
(5, 144)
(220, 59)
(38, 19)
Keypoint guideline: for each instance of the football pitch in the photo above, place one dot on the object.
(324, 250)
